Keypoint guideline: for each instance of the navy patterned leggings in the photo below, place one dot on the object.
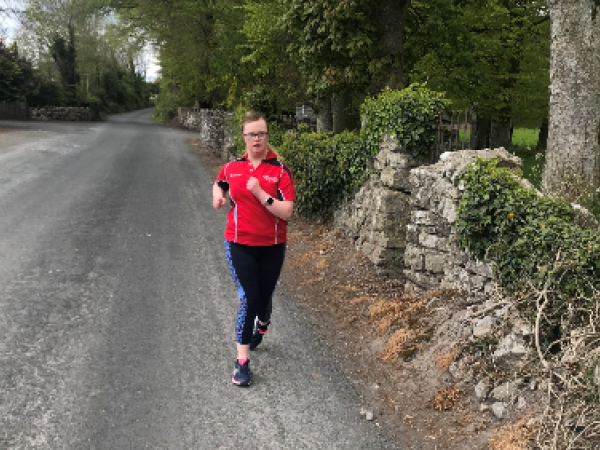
(255, 271)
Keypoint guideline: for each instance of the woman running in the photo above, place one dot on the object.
(262, 194)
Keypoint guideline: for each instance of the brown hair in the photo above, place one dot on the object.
(253, 116)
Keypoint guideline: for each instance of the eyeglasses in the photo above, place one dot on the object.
(260, 134)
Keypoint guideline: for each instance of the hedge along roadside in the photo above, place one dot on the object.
(327, 169)
(535, 246)
(411, 115)
(331, 168)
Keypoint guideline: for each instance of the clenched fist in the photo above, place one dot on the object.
(254, 187)
(219, 202)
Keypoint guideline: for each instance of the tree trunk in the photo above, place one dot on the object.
(390, 17)
(324, 118)
(483, 133)
(344, 118)
(543, 136)
(473, 137)
(500, 133)
(572, 158)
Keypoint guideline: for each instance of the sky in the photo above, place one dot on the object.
(153, 66)
(8, 25)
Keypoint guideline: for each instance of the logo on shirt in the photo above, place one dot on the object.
(271, 179)
(233, 175)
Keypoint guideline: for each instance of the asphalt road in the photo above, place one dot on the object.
(117, 309)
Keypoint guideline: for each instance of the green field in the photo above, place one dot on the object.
(522, 137)
(524, 141)
(525, 137)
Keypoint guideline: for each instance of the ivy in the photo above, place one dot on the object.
(411, 115)
(534, 244)
(329, 169)
(494, 206)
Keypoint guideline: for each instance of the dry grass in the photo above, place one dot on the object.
(385, 323)
(311, 282)
(349, 288)
(326, 246)
(358, 300)
(322, 265)
(295, 235)
(443, 361)
(516, 436)
(395, 344)
(382, 308)
(301, 261)
(446, 398)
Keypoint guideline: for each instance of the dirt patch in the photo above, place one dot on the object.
(393, 346)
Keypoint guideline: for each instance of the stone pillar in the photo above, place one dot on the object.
(378, 215)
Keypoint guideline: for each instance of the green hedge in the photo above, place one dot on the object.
(327, 169)
(411, 115)
(494, 205)
(534, 243)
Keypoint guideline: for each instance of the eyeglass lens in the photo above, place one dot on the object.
(261, 135)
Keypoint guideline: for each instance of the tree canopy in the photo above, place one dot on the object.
(494, 52)
(74, 53)
(332, 52)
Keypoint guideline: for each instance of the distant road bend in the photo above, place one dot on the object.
(117, 308)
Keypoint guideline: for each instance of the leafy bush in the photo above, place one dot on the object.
(411, 115)
(539, 253)
(327, 169)
(166, 106)
(494, 205)
(47, 93)
(263, 101)
(330, 168)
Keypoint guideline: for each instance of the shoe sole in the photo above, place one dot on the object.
(241, 384)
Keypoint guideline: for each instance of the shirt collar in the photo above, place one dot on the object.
(270, 155)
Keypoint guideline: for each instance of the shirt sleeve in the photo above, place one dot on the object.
(287, 189)
(222, 180)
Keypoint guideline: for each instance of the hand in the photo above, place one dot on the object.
(219, 202)
(254, 187)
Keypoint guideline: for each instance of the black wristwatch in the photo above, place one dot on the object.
(268, 201)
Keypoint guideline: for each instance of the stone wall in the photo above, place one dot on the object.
(378, 215)
(210, 123)
(433, 259)
(403, 220)
(62, 113)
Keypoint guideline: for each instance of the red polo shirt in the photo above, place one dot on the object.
(248, 221)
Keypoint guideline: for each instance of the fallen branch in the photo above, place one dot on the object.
(537, 326)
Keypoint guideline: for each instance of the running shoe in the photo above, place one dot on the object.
(242, 376)
(257, 335)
